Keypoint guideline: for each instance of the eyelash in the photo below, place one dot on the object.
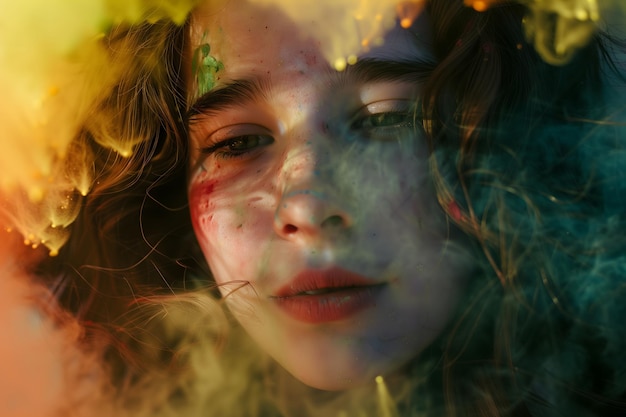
(226, 149)
(381, 121)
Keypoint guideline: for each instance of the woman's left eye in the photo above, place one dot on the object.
(238, 146)
(384, 121)
(390, 119)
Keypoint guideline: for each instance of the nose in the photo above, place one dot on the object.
(307, 215)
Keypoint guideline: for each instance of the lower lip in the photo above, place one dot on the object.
(329, 307)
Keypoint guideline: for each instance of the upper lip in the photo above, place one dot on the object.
(319, 280)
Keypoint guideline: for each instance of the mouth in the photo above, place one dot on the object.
(321, 296)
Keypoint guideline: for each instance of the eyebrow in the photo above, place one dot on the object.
(367, 70)
(232, 94)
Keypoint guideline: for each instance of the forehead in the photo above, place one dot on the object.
(252, 40)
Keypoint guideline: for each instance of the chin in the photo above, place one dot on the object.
(327, 377)
(323, 382)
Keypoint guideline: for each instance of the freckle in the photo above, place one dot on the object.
(239, 226)
(258, 171)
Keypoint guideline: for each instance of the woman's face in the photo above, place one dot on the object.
(311, 199)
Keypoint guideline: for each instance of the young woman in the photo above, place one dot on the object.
(445, 213)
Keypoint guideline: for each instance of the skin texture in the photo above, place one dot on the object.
(329, 170)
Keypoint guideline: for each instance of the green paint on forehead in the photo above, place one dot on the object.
(204, 67)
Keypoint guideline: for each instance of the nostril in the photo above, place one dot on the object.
(290, 229)
(333, 221)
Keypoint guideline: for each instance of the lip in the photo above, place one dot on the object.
(322, 296)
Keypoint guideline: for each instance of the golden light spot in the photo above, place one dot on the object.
(340, 64)
(480, 6)
(352, 59)
(581, 14)
(408, 11)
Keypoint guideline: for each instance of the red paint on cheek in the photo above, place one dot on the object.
(199, 202)
(207, 187)
(201, 192)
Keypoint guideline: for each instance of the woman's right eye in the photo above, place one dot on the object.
(238, 146)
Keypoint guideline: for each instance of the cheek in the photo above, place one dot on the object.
(233, 224)
(214, 227)
(401, 186)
